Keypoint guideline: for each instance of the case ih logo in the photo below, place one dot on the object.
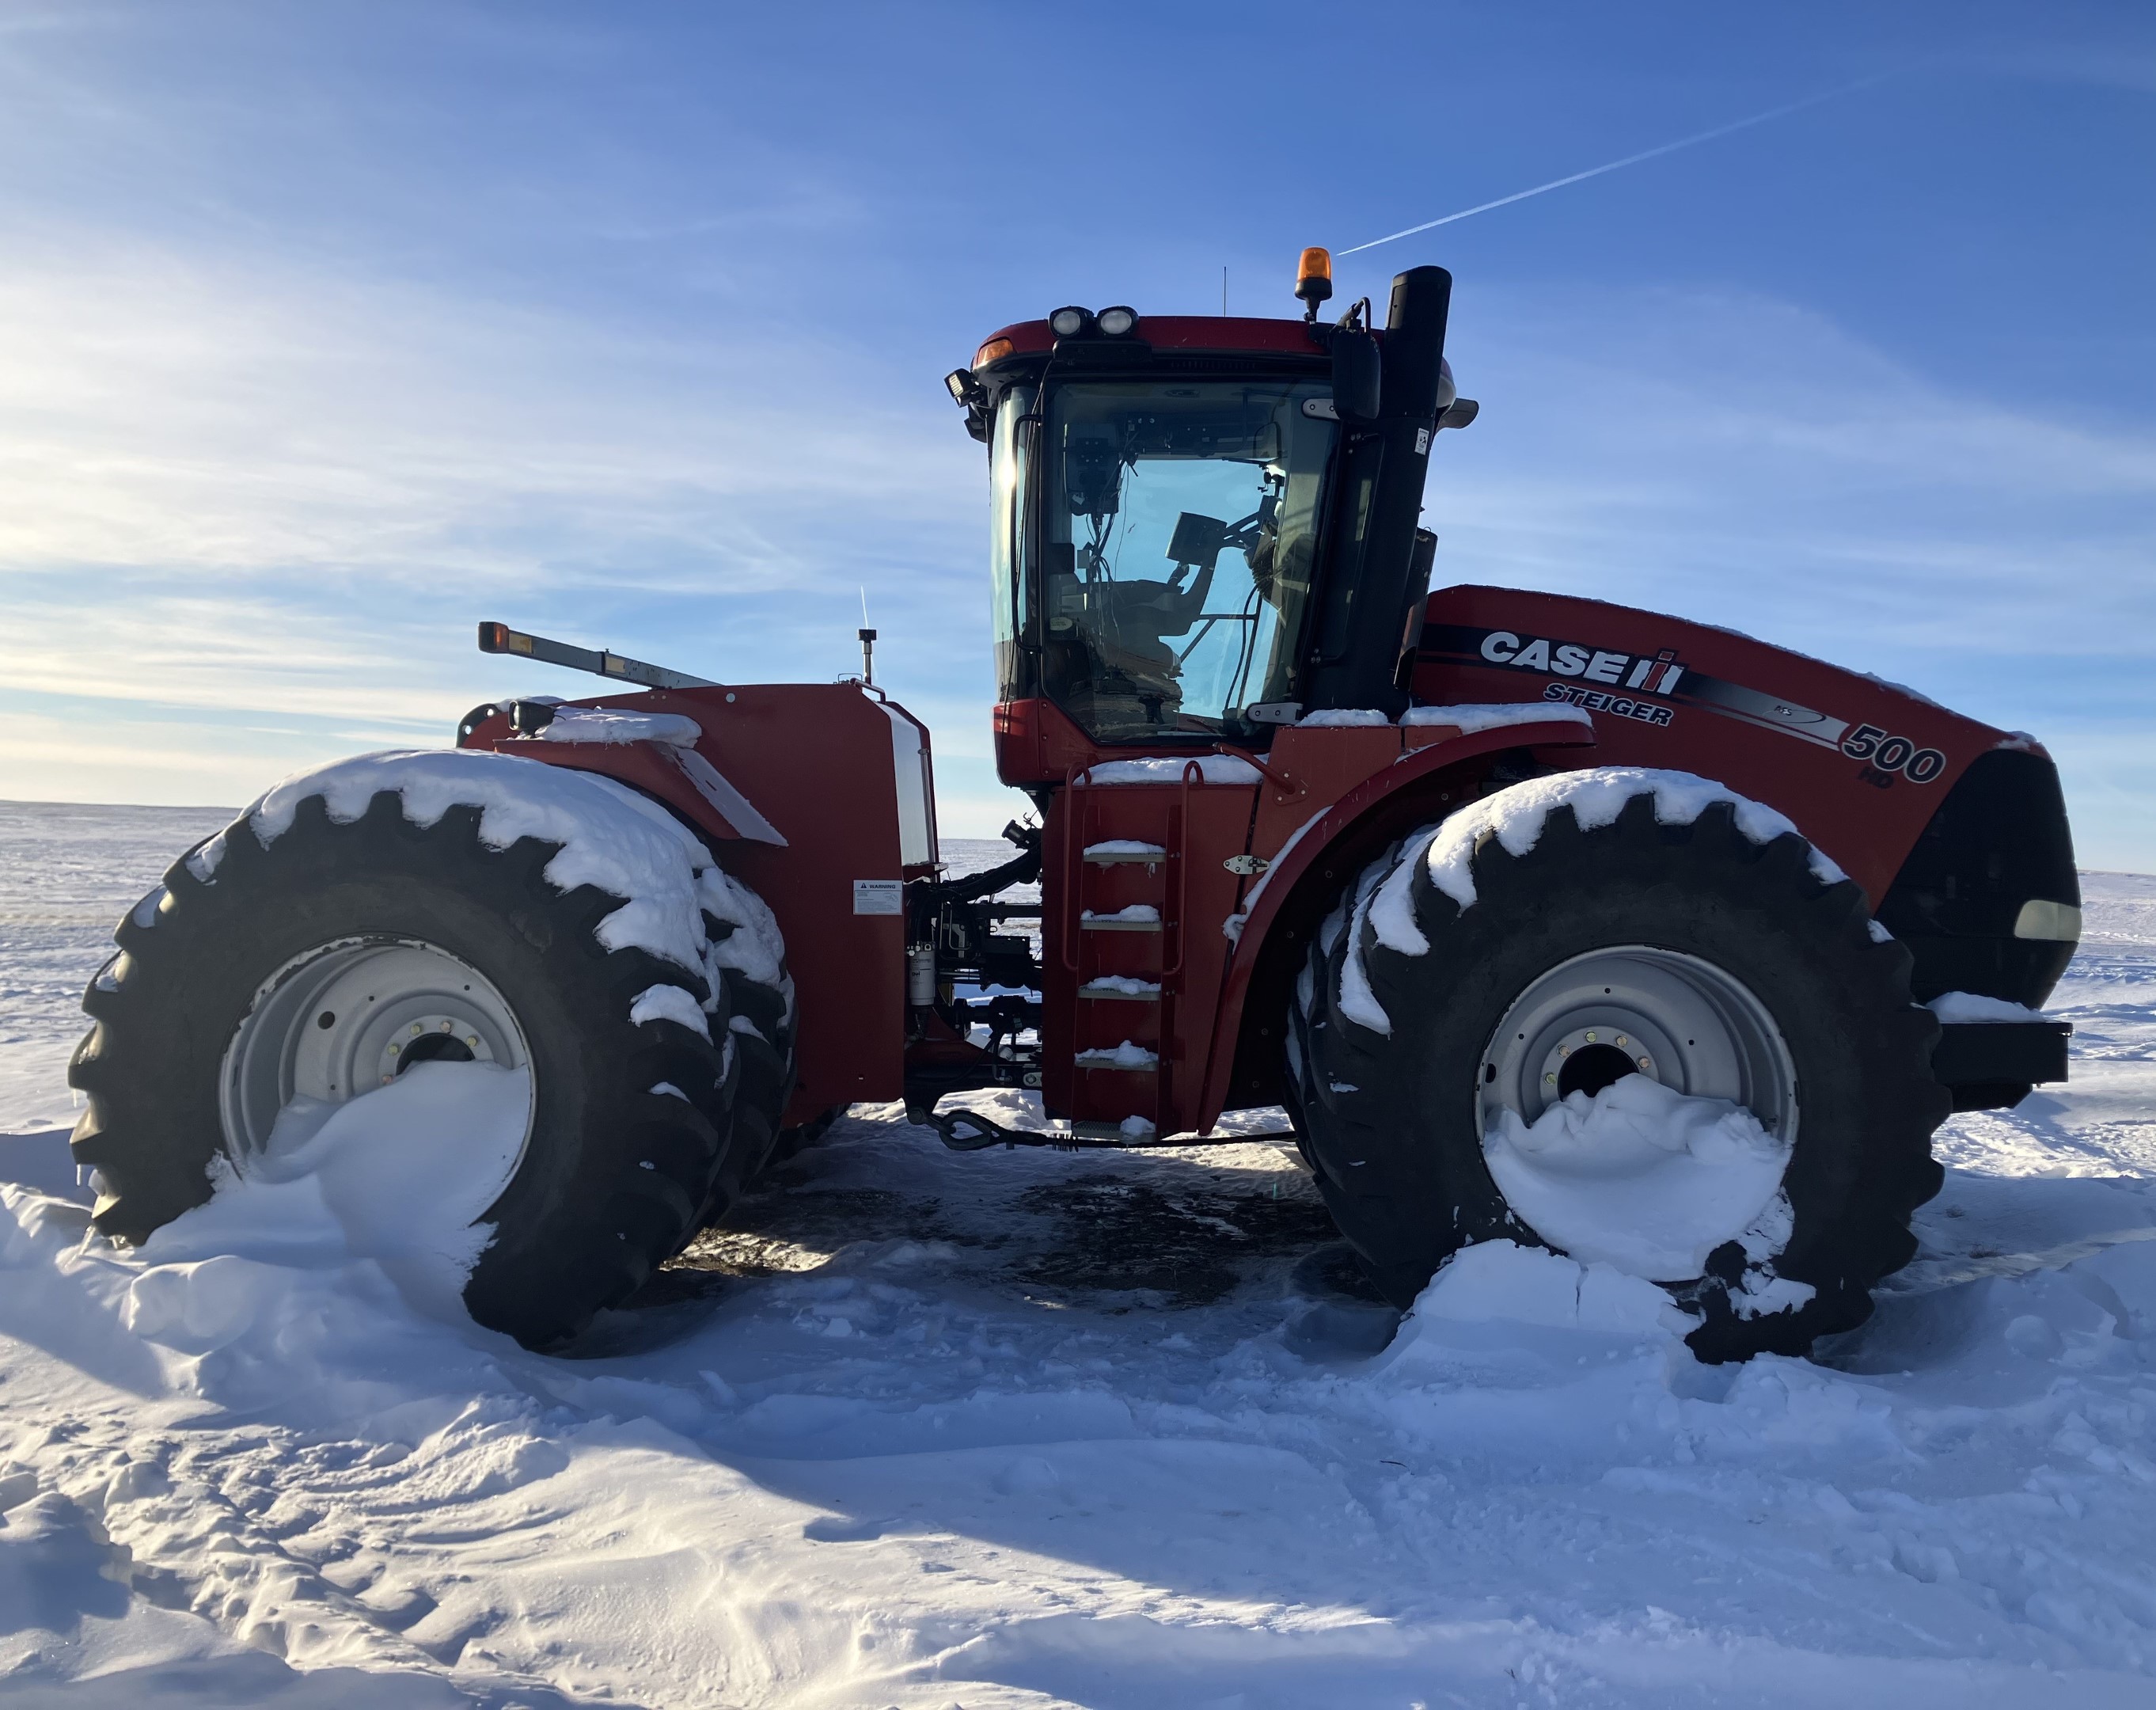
(1657, 674)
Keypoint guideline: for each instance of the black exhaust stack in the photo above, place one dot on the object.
(1377, 574)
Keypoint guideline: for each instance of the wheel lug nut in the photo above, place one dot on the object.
(449, 1027)
(394, 1049)
(1645, 1064)
(416, 1029)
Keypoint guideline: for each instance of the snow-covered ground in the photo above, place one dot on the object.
(1029, 1428)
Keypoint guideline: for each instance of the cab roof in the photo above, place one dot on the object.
(1223, 334)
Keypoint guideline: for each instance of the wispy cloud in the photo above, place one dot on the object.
(240, 484)
(238, 414)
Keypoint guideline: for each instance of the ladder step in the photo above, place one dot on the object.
(1128, 1060)
(1124, 849)
(1137, 917)
(1114, 987)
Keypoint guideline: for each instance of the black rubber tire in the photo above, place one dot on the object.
(1397, 1150)
(614, 1177)
(762, 1025)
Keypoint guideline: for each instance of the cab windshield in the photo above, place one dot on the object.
(1177, 533)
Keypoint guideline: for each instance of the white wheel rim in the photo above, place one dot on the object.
(348, 1018)
(1655, 1183)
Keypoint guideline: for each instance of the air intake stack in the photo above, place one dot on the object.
(1378, 571)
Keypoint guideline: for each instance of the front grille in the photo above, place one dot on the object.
(1997, 840)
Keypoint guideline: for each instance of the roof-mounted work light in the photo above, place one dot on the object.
(1069, 323)
(1118, 320)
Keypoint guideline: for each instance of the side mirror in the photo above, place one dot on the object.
(1355, 376)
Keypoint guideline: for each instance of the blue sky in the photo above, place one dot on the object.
(328, 329)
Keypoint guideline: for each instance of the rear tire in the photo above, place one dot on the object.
(632, 1134)
(759, 1004)
(1394, 1123)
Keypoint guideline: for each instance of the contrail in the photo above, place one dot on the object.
(1630, 160)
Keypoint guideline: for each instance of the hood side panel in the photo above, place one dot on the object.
(1860, 765)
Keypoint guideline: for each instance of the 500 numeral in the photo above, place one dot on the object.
(1867, 742)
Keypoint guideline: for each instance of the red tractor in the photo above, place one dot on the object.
(1544, 919)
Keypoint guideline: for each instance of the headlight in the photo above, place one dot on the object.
(1068, 323)
(1118, 320)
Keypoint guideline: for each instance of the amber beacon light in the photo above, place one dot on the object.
(1313, 280)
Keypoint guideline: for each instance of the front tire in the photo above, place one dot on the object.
(1732, 967)
(242, 979)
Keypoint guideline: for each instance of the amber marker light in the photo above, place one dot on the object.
(995, 351)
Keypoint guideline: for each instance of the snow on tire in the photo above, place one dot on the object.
(409, 914)
(1628, 1015)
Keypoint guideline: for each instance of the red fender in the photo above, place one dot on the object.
(1560, 745)
(816, 767)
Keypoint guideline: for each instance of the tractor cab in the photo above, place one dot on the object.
(1177, 535)
(1204, 528)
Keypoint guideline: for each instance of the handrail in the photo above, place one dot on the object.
(1178, 852)
(1066, 953)
(1281, 781)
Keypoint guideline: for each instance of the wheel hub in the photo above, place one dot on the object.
(1588, 1059)
(434, 1039)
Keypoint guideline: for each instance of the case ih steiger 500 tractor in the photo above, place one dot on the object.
(1544, 919)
